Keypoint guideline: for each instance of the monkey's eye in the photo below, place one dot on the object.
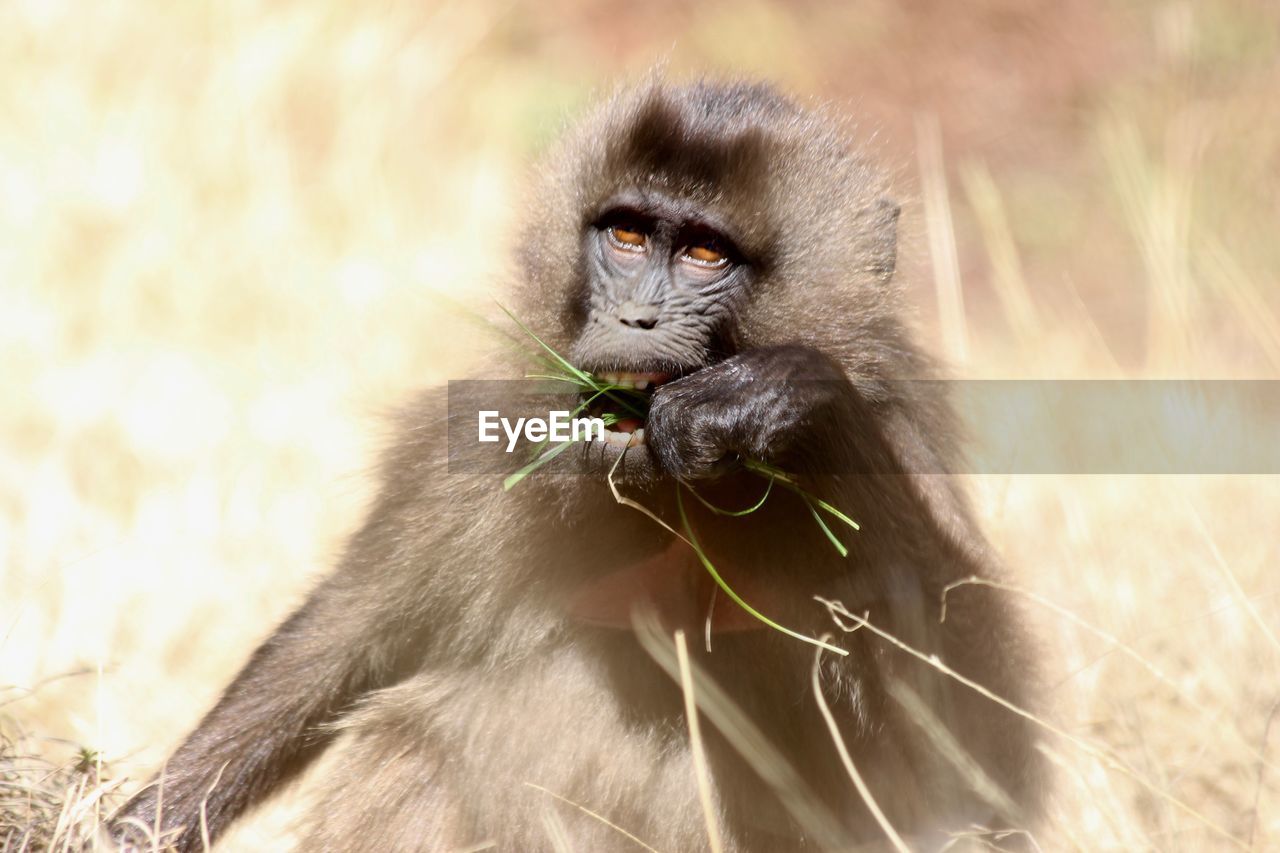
(627, 237)
(706, 253)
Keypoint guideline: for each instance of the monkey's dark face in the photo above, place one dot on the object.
(663, 278)
(662, 281)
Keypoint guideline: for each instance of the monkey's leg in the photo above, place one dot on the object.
(511, 755)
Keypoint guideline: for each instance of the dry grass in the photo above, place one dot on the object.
(50, 793)
(219, 226)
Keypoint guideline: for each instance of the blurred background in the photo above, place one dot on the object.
(221, 226)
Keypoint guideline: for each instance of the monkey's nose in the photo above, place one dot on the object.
(638, 316)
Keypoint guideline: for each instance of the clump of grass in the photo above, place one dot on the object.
(636, 404)
(50, 806)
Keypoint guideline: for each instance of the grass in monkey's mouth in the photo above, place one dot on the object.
(625, 422)
(622, 400)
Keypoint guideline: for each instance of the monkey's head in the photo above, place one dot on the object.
(679, 225)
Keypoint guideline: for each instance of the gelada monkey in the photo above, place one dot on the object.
(729, 254)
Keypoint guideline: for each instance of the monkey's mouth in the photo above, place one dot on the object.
(623, 402)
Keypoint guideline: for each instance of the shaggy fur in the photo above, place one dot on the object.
(443, 644)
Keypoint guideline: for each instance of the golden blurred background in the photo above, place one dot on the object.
(222, 226)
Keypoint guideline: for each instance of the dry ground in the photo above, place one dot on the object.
(219, 229)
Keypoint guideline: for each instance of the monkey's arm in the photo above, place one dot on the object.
(268, 724)
(358, 631)
(794, 406)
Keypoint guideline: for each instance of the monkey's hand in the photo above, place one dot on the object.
(773, 404)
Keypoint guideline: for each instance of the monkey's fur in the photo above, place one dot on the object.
(447, 646)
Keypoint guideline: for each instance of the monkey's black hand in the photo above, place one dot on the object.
(764, 404)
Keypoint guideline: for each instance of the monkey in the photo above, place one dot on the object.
(479, 656)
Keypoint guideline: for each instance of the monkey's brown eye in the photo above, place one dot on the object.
(707, 254)
(627, 238)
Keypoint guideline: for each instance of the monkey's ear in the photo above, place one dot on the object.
(881, 228)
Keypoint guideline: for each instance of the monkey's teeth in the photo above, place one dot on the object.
(638, 381)
(624, 439)
(620, 381)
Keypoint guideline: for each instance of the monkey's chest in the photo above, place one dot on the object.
(674, 585)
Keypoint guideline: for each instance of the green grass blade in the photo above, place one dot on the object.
(559, 359)
(732, 513)
(767, 470)
(534, 465)
(564, 377)
(581, 375)
(823, 505)
(692, 539)
(844, 552)
(764, 469)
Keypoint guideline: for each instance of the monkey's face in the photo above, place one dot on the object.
(684, 227)
(663, 279)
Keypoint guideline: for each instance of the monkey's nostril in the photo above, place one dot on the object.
(638, 316)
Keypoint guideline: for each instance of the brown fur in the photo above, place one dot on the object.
(441, 642)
